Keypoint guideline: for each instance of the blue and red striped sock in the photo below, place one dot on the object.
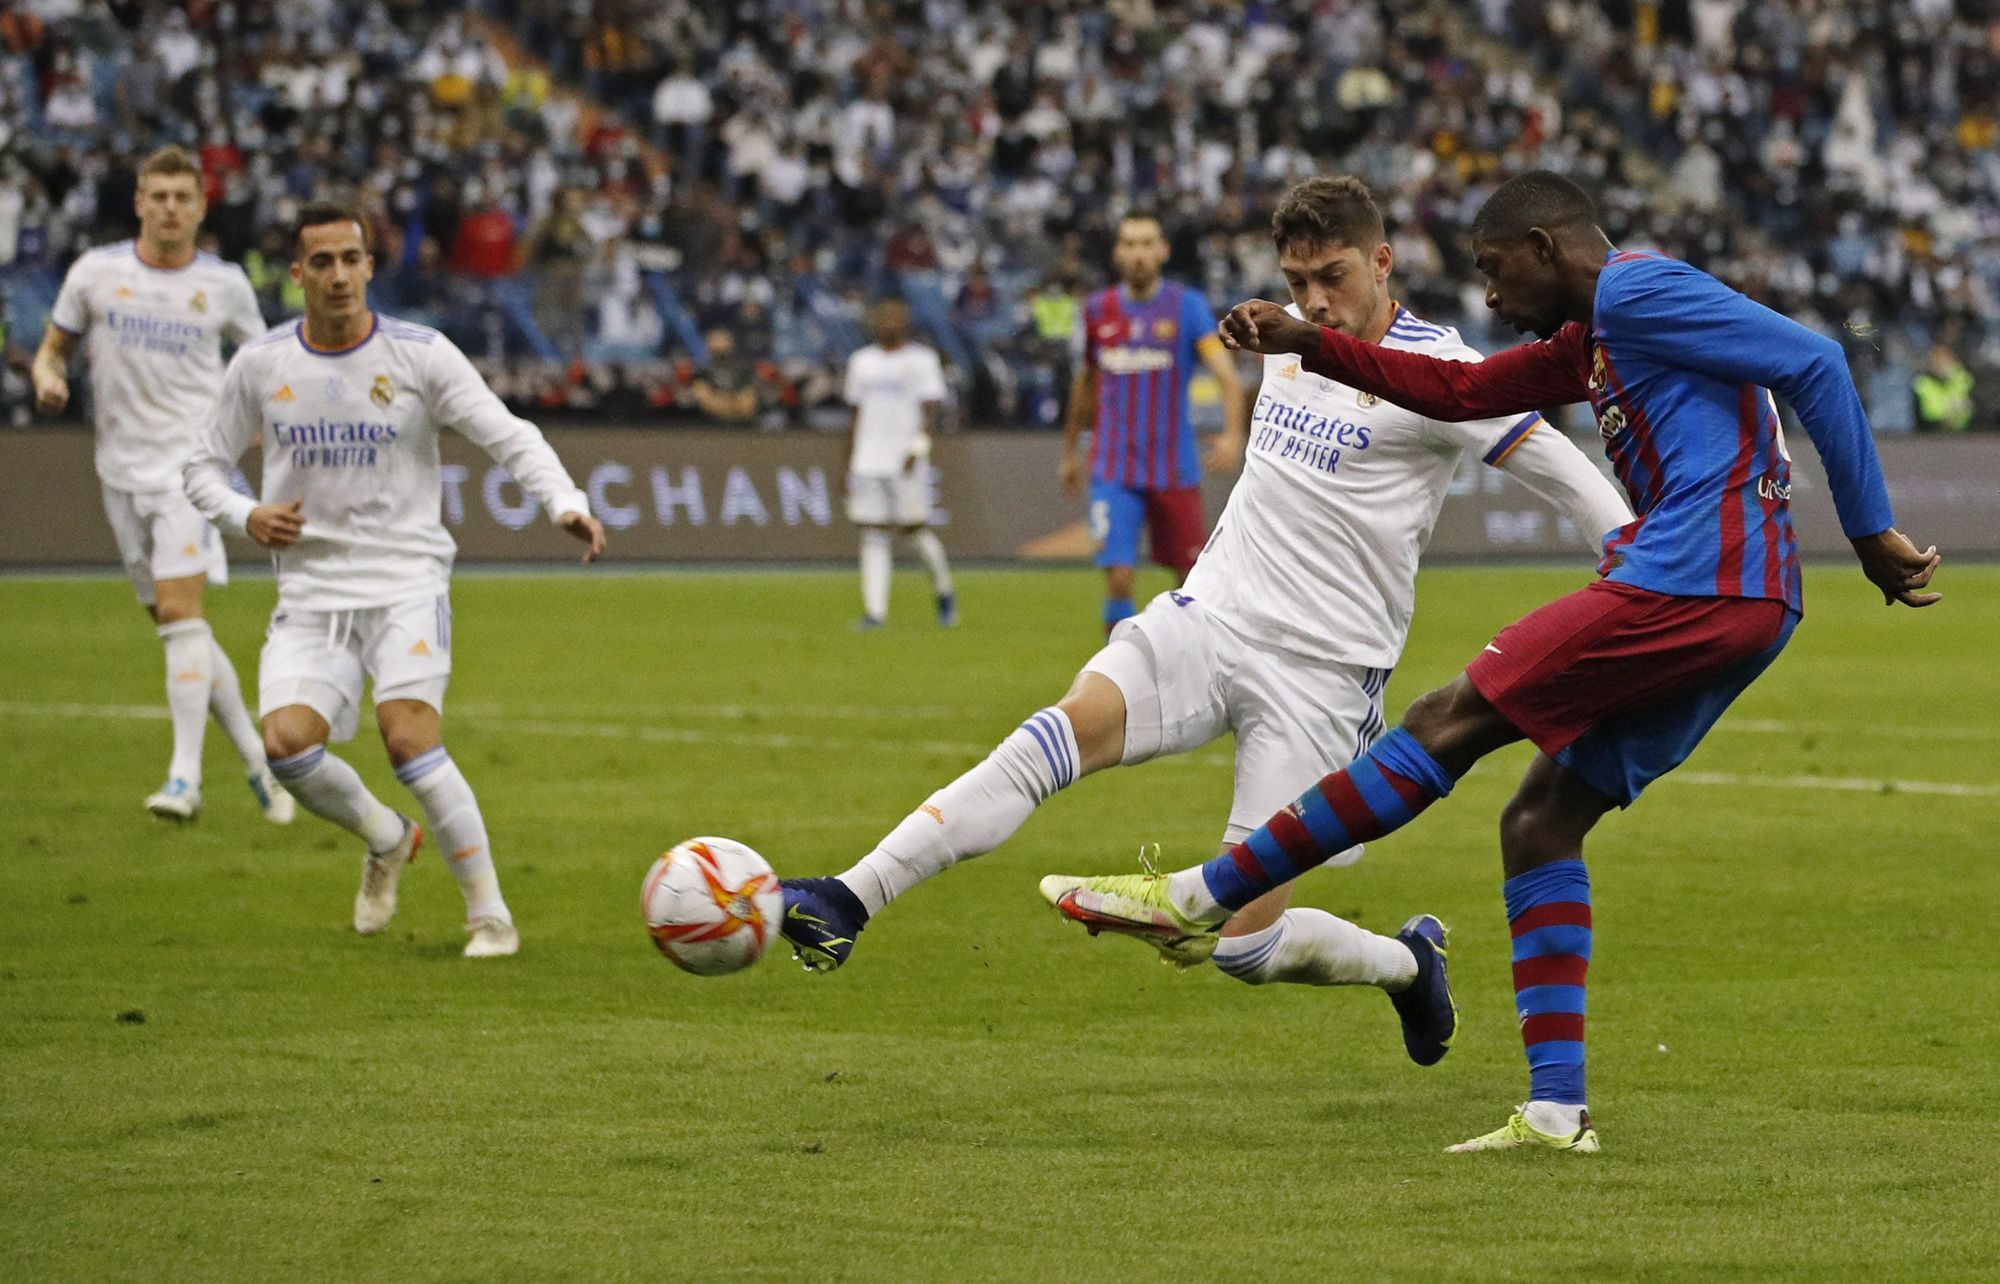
(1376, 794)
(1548, 913)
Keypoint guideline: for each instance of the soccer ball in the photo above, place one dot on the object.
(712, 905)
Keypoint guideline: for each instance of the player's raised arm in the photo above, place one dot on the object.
(205, 475)
(460, 400)
(1681, 314)
(1528, 377)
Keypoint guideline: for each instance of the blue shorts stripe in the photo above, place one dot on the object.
(1539, 1000)
(1561, 938)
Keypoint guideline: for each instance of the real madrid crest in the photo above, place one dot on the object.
(383, 392)
(1367, 400)
(200, 301)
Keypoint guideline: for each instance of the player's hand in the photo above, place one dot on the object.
(1263, 326)
(277, 526)
(51, 392)
(1072, 474)
(1893, 564)
(1225, 453)
(586, 528)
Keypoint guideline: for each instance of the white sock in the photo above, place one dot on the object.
(1312, 947)
(1188, 890)
(878, 558)
(225, 701)
(931, 549)
(1553, 1117)
(190, 648)
(460, 830)
(332, 790)
(973, 814)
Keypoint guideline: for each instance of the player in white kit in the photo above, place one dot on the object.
(155, 314)
(347, 405)
(1285, 633)
(896, 387)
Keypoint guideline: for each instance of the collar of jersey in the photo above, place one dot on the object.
(141, 261)
(374, 324)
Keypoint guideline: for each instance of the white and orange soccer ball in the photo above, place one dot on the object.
(712, 905)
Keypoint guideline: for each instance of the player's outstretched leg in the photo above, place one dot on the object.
(189, 649)
(225, 702)
(453, 814)
(1377, 794)
(1313, 947)
(968, 817)
(332, 790)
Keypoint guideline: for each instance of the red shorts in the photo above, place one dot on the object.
(1609, 649)
(1176, 529)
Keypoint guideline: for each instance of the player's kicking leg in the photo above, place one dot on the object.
(412, 731)
(295, 737)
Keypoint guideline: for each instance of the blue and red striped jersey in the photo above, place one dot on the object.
(1144, 352)
(1676, 366)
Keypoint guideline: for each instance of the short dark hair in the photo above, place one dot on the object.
(1328, 211)
(170, 161)
(1143, 214)
(1539, 198)
(320, 213)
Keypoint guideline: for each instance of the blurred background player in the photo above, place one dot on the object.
(1285, 633)
(157, 313)
(1136, 349)
(896, 388)
(347, 405)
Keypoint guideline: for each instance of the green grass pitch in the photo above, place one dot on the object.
(1794, 1017)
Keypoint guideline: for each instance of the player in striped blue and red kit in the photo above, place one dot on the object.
(1616, 683)
(1137, 344)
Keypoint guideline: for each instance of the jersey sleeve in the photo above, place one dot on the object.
(1549, 464)
(245, 320)
(1197, 321)
(930, 378)
(1524, 378)
(1681, 316)
(849, 392)
(71, 314)
(460, 400)
(232, 426)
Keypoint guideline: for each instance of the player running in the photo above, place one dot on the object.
(347, 405)
(1136, 347)
(1616, 683)
(157, 313)
(1285, 633)
(896, 387)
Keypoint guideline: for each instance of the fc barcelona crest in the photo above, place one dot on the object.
(383, 392)
(1597, 378)
(1164, 329)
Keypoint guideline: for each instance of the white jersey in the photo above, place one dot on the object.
(155, 337)
(354, 434)
(888, 391)
(1316, 552)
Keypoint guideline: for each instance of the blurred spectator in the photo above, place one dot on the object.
(725, 389)
(1944, 393)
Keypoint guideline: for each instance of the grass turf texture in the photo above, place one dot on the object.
(1793, 1016)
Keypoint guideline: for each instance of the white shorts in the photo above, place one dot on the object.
(903, 499)
(162, 536)
(1188, 679)
(319, 659)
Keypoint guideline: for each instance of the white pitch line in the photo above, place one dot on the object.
(1782, 727)
(567, 729)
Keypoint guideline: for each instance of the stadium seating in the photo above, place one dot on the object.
(590, 191)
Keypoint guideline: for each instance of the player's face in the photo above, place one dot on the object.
(1338, 285)
(1140, 253)
(891, 324)
(1522, 286)
(334, 267)
(170, 208)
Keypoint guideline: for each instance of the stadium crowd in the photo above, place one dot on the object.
(679, 208)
